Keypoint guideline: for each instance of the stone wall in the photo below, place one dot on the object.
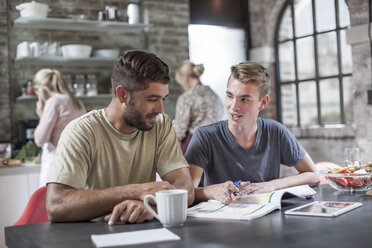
(5, 107)
(167, 37)
(362, 78)
(323, 144)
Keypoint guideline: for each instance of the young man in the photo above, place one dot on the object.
(107, 159)
(246, 147)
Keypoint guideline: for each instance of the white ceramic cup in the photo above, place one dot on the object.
(171, 205)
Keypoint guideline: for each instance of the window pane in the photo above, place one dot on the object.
(347, 63)
(305, 58)
(285, 31)
(343, 14)
(325, 20)
(308, 106)
(303, 17)
(289, 103)
(327, 52)
(286, 61)
(330, 100)
(348, 89)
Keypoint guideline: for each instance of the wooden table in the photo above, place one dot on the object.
(353, 229)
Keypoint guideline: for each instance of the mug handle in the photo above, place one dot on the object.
(149, 208)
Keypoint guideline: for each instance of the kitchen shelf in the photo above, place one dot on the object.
(79, 25)
(61, 61)
(83, 98)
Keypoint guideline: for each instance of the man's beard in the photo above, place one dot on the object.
(134, 118)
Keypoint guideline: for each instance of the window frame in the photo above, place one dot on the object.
(340, 75)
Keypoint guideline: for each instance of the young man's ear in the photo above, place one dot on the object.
(264, 102)
(122, 94)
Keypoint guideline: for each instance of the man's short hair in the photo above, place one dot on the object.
(136, 69)
(251, 72)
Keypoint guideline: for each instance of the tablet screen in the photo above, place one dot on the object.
(324, 208)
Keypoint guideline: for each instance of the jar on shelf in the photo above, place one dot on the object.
(30, 89)
(91, 85)
(79, 85)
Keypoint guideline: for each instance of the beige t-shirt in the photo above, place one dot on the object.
(91, 153)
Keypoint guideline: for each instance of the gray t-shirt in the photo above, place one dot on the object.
(214, 149)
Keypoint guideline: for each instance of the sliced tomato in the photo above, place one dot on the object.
(355, 182)
(341, 181)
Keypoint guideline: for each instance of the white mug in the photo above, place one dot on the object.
(171, 205)
(133, 12)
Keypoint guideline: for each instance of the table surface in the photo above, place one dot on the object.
(352, 229)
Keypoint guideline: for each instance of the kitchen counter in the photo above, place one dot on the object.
(17, 183)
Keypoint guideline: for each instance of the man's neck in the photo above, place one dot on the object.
(245, 135)
(114, 112)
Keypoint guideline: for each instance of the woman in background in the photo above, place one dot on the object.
(56, 107)
(197, 106)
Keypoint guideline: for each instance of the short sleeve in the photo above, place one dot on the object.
(169, 154)
(73, 158)
(292, 152)
(197, 151)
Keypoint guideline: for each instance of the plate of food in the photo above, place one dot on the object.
(351, 178)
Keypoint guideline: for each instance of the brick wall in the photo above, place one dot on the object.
(362, 79)
(321, 146)
(5, 111)
(167, 38)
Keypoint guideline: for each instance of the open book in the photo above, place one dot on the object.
(248, 207)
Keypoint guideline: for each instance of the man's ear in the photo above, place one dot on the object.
(264, 102)
(122, 94)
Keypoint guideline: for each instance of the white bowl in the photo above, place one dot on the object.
(33, 10)
(76, 51)
(107, 53)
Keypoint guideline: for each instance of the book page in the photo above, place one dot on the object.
(234, 211)
(275, 197)
(247, 207)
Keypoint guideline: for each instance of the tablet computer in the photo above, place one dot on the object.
(324, 208)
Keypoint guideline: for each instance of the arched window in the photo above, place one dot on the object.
(314, 63)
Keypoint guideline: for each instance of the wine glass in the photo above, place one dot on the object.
(351, 157)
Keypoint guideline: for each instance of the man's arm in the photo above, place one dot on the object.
(307, 175)
(181, 179)
(134, 211)
(216, 191)
(64, 203)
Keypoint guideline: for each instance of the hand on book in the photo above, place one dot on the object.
(256, 188)
(223, 192)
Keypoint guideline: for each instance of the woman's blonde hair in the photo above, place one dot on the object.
(190, 69)
(52, 79)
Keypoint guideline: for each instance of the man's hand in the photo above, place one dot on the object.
(129, 211)
(151, 188)
(256, 188)
(223, 192)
